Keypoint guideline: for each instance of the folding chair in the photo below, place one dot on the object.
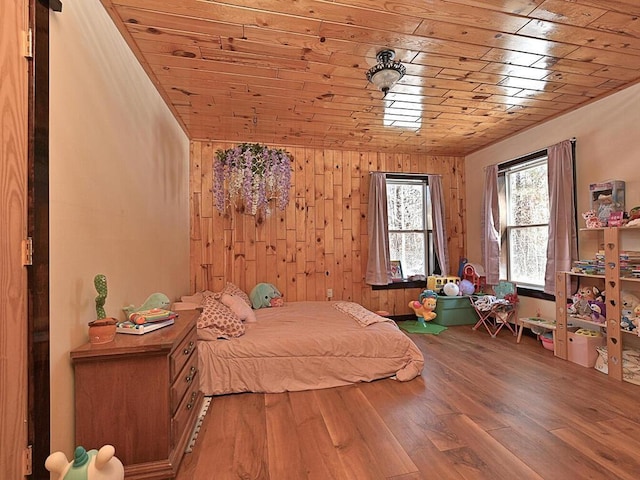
(495, 312)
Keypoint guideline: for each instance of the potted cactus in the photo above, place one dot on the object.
(103, 328)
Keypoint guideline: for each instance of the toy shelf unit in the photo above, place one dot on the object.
(612, 272)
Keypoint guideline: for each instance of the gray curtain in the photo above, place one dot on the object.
(490, 226)
(379, 260)
(438, 216)
(562, 246)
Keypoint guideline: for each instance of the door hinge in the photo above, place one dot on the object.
(27, 464)
(27, 251)
(28, 43)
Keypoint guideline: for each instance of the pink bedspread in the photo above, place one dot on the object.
(305, 346)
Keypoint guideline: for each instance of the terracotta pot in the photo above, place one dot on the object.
(102, 330)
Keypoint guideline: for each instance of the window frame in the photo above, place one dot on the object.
(526, 290)
(431, 263)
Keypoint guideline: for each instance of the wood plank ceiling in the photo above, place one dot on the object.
(292, 72)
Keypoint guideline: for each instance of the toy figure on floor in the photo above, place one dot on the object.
(425, 305)
(86, 465)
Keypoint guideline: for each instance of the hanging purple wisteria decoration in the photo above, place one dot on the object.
(253, 175)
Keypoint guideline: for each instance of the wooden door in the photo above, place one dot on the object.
(14, 68)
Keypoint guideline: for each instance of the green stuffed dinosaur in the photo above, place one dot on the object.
(155, 300)
(265, 295)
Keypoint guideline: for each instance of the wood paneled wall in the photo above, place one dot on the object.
(320, 240)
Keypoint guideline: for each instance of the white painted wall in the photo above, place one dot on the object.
(119, 190)
(608, 147)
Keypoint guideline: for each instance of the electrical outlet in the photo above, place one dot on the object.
(329, 292)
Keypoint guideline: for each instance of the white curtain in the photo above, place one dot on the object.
(379, 260)
(490, 226)
(562, 245)
(438, 216)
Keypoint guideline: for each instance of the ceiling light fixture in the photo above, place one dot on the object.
(387, 72)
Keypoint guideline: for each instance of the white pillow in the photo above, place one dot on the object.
(185, 306)
(239, 307)
(197, 298)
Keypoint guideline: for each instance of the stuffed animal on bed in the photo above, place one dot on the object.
(266, 295)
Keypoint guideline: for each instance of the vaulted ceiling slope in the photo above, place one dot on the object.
(292, 72)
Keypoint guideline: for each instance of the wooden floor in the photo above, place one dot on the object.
(483, 409)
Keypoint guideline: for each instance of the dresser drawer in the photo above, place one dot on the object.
(181, 355)
(182, 420)
(186, 378)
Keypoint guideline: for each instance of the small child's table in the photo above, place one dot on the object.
(530, 322)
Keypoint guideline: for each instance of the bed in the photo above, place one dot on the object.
(305, 346)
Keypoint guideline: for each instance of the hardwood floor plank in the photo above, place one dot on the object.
(284, 456)
(628, 427)
(233, 443)
(357, 458)
(390, 455)
(482, 456)
(317, 449)
(407, 414)
(616, 462)
(559, 459)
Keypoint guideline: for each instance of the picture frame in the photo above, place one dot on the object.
(396, 270)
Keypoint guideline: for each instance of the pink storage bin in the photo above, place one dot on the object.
(547, 342)
(582, 348)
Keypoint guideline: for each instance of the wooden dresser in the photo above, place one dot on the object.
(140, 393)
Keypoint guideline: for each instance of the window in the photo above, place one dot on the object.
(410, 224)
(524, 198)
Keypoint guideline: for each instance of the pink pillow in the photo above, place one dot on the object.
(220, 319)
(239, 307)
(232, 289)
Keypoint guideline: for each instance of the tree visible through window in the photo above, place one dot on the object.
(525, 222)
(410, 226)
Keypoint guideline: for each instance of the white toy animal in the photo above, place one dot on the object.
(92, 465)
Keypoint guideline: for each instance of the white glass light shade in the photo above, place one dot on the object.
(386, 72)
(385, 79)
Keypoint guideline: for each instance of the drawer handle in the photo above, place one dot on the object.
(192, 373)
(188, 350)
(189, 406)
(193, 394)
